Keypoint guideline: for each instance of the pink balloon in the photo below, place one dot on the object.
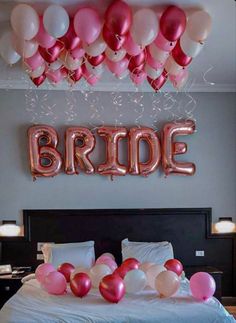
(56, 76)
(91, 79)
(87, 24)
(43, 38)
(180, 79)
(202, 286)
(145, 266)
(54, 283)
(34, 61)
(118, 68)
(43, 270)
(131, 47)
(106, 260)
(78, 52)
(139, 78)
(164, 43)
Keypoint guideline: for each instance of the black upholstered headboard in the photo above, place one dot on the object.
(187, 229)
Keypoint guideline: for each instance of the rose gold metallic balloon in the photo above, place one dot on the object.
(47, 151)
(149, 135)
(112, 135)
(168, 162)
(179, 148)
(78, 155)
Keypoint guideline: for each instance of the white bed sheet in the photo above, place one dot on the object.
(32, 304)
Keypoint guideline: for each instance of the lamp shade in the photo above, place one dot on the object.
(9, 229)
(225, 225)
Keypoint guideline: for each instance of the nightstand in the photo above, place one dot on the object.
(214, 272)
(9, 285)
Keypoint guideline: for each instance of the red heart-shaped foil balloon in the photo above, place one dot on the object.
(158, 82)
(39, 80)
(76, 75)
(179, 56)
(137, 61)
(95, 60)
(51, 54)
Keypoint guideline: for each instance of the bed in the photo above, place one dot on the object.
(32, 304)
(108, 227)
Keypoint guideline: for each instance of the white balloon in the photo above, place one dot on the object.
(158, 54)
(70, 62)
(7, 51)
(190, 47)
(94, 70)
(152, 273)
(38, 71)
(97, 273)
(115, 56)
(25, 48)
(56, 21)
(145, 27)
(135, 281)
(55, 65)
(151, 72)
(96, 48)
(172, 67)
(25, 21)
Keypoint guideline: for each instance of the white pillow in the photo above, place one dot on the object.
(78, 254)
(156, 252)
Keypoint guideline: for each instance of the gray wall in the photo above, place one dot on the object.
(211, 148)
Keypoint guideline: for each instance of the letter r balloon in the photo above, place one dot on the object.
(78, 155)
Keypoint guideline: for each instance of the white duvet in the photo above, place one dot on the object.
(32, 304)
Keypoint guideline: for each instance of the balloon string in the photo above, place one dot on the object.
(205, 74)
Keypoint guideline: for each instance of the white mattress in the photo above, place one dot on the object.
(32, 304)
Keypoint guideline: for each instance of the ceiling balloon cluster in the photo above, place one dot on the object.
(138, 43)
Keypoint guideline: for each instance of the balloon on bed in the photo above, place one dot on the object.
(131, 277)
(57, 47)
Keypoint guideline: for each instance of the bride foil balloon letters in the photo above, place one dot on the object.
(46, 161)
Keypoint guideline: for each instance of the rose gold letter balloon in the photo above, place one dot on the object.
(170, 148)
(112, 135)
(78, 155)
(148, 135)
(45, 160)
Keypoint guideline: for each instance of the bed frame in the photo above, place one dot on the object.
(187, 229)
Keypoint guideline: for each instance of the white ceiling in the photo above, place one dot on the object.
(213, 70)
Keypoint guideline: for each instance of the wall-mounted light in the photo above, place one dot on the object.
(225, 225)
(9, 229)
